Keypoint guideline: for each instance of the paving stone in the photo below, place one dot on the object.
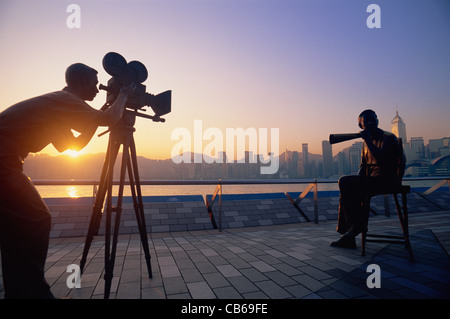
(262, 266)
(174, 285)
(261, 262)
(227, 293)
(200, 290)
(216, 280)
(228, 271)
(273, 290)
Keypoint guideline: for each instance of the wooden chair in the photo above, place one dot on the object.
(402, 210)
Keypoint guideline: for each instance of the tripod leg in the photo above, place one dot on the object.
(94, 224)
(109, 264)
(140, 218)
(108, 270)
(139, 206)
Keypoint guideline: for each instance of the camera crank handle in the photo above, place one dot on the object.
(105, 88)
(101, 134)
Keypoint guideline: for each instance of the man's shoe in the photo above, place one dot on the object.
(344, 242)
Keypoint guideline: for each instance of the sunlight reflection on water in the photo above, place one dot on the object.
(72, 191)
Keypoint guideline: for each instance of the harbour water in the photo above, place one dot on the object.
(165, 190)
(52, 191)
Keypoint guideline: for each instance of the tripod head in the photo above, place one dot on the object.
(122, 74)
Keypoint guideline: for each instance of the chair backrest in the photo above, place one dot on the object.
(401, 161)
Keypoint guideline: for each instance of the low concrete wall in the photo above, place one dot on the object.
(71, 216)
(249, 210)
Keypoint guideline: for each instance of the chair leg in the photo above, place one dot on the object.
(406, 232)
(403, 217)
(365, 223)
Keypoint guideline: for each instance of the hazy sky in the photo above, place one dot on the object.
(307, 67)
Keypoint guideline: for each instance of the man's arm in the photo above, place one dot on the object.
(66, 140)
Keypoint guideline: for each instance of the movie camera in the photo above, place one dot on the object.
(135, 72)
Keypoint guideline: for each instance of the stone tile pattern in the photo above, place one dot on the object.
(276, 262)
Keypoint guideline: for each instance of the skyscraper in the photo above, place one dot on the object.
(354, 157)
(398, 127)
(417, 148)
(305, 160)
(327, 155)
(305, 153)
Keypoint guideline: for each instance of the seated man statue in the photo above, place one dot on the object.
(29, 126)
(378, 173)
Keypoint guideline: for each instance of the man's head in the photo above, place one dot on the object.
(82, 80)
(368, 120)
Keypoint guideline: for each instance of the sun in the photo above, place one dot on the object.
(72, 153)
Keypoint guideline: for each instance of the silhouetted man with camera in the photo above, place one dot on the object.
(29, 126)
(377, 173)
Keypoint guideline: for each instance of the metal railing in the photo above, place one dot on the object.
(312, 185)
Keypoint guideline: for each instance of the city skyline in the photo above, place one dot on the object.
(422, 160)
(305, 67)
(395, 122)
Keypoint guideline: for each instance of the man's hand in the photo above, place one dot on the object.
(127, 90)
(114, 112)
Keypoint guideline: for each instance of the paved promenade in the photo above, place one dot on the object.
(289, 261)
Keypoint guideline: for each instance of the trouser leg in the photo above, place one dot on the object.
(352, 191)
(25, 227)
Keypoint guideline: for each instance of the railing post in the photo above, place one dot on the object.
(316, 203)
(94, 193)
(438, 185)
(220, 205)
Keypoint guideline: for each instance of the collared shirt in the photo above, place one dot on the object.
(31, 125)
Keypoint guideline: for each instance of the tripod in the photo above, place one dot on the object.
(121, 134)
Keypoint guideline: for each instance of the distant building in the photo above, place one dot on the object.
(354, 156)
(398, 127)
(305, 167)
(342, 163)
(293, 169)
(439, 147)
(327, 156)
(417, 149)
(305, 153)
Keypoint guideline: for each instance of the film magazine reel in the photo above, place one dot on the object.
(116, 66)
